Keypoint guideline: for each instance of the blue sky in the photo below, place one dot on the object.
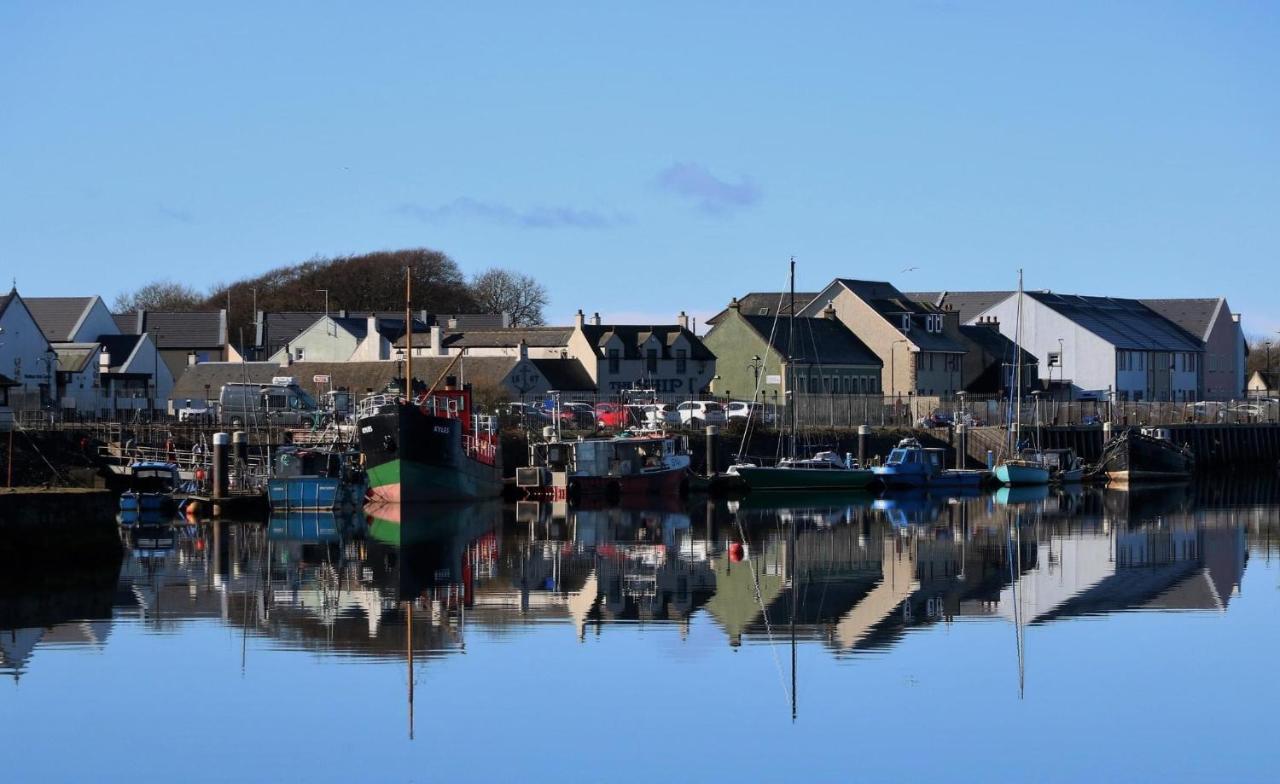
(653, 158)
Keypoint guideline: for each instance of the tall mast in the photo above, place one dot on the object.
(791, 359)
(408, 333)
(1017, 372)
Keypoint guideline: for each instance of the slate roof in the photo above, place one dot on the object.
(74, 357)
(1124, 323)
(480, 372)
(6, 299)
(565, 375)
(633, 336)
(119, 347)
(969, 304)
(177, 329)
(1192, 315)
(995, 342)
(57, 316)
(534, 337)
(280, 328)
(767, 303)
(818, 340)
(891, 304)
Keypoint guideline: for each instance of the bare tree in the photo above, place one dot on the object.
(159, 295)
(503, 291)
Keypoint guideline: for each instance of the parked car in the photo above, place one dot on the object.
(579, 415)
(653, 415)
(741, 409)
(701, 412)
(611, 415)
(938, 418)
(528, 412)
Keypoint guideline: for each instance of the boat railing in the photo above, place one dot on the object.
(372, 404)
(481, 448)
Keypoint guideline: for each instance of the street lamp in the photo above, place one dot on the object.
(756, 364)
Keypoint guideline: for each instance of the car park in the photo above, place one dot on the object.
(741, 409)
(701, 412)
(611, 415)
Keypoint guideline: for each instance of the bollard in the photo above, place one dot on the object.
(864, 433)
(991, 460)
(962, 451)
(220, 484)
(1106, 433)
(239, 456)
(713, 444)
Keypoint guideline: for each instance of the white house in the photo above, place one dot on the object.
(1102, 345)
(666, 358)
(339, 338)
(72, 319)
(1211, 320)
(27, 361)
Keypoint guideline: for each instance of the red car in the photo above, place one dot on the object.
(611, 415)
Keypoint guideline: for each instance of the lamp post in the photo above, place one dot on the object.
(756, 364)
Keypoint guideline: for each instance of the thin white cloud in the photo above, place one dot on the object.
(711, 194)
(465, 208)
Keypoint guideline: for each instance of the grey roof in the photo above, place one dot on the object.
(480, 372)
(767, 303)
(633, 336)
(1124, 323)
(536, 337)
(119, 348)
(995, 342)
(967, 303)
(5, 381)
(279, 328)
(1192, 315)
(6, 299)
(891, 304)
(177, 329)
(57, 316)
(817, 340)
(565, 375)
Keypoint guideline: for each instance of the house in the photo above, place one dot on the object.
(1104, 345)
(6, 412)
(274, 330)
(919, 343)
(343, 338)
(184, 338)
(537, 342)
(27, 361)
(131, 374)
(765, 303)
(72, 319)
(1263, 384)
(757, 356)
(666, 358)
(990, 364)
(1220, 332)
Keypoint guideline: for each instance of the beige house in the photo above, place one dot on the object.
(920, 344)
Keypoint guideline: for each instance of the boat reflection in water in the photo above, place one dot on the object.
(852, 572)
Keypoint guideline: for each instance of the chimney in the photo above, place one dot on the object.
(435, 341)
(453, 322)
(578, 319)
(288, 356)
(682, 320)
(371, 325)
(523, 349)
(734, 304)
(595, 319)
(829, 312)
(191, 358)
(342, 313)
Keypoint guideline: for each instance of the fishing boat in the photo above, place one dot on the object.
(825, 470)
(428, 447)
(315, 479)
(911, 465)
(1028, 467)
(1145, 454)
(1065, 466)
(631, 464)
(155, 492)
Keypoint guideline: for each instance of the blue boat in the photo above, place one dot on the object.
(1027, 470)
(306, 479)
(912, 465)
(156, 492)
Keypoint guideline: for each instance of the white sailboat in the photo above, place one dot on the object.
(1022, 466)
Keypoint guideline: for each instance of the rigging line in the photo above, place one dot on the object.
(764, 611)
(773, 330)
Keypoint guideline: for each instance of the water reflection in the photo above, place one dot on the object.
(853, 574)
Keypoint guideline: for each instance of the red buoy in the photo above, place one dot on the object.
(735, 552)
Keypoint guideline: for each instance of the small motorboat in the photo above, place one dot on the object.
(156, 491)
(823, 471)
(1065, 466)
(911, 465)
(322, 480)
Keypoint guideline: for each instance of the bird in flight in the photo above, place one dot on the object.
(911, 269)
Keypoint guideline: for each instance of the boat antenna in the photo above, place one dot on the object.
(408, 336)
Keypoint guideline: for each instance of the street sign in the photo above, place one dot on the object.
(319, 379)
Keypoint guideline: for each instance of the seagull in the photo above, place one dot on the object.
(911, 269)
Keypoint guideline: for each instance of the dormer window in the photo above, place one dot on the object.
(764, 311)
(934, 323)
(906, 322)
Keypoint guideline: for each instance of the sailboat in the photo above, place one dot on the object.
(823, 471)
(1023, 466)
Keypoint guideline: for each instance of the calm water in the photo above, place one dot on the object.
(1042, 637)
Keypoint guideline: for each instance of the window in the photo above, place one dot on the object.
(682, 360)
(615, 361)
(651, 360)
(1055, 359)
(919, 360)
(906, 322)
(298, 354)
(934, 323)
(1142, 359)
(764, 311)
(930, 360)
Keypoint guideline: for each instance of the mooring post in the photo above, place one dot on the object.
(864, 432)
(220, 483)
(713, 445)
(962, 438)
